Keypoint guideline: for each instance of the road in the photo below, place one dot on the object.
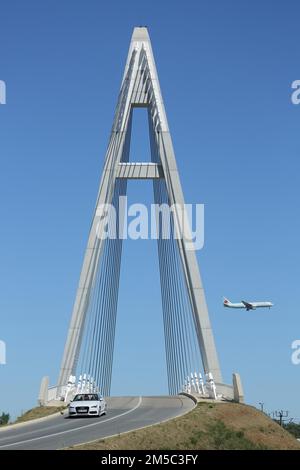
(123, 414)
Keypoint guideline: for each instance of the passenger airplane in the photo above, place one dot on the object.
(247, 305)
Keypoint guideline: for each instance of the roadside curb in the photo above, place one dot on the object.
(189, 395)
(36, 420)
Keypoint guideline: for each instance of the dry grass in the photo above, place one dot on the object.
(209, 426)
(39, 412)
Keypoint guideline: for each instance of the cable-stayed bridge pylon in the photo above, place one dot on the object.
(189, 340)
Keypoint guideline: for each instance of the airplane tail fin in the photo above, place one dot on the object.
(226, 301)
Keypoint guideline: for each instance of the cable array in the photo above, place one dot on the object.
(97, 335)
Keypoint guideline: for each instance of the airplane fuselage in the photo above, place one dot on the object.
(247, 305)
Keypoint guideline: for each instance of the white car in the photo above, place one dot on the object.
(87, 404)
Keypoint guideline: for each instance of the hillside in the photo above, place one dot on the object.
(209, 426)
(38, 412)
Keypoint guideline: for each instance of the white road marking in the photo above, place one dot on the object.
(75, 429)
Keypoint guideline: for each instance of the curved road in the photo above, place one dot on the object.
(123, 414)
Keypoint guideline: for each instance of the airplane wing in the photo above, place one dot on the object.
(247, 305)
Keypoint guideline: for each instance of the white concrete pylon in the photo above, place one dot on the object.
(140, 88)
(83, 385)
(189, 389)
(79, 384)
(69, 386)
(201, 384)
(193, 385)
(211, 386)
(92, 385)
(197, 383)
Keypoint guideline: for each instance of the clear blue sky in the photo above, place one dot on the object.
(225, 69)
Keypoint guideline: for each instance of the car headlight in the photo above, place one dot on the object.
(94, 406)
(72, 407)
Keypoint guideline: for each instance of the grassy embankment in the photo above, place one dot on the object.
(39, 412)
(209, 426)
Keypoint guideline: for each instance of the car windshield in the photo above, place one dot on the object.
(86, 397)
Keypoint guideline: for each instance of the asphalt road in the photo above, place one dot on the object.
(123, 414)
